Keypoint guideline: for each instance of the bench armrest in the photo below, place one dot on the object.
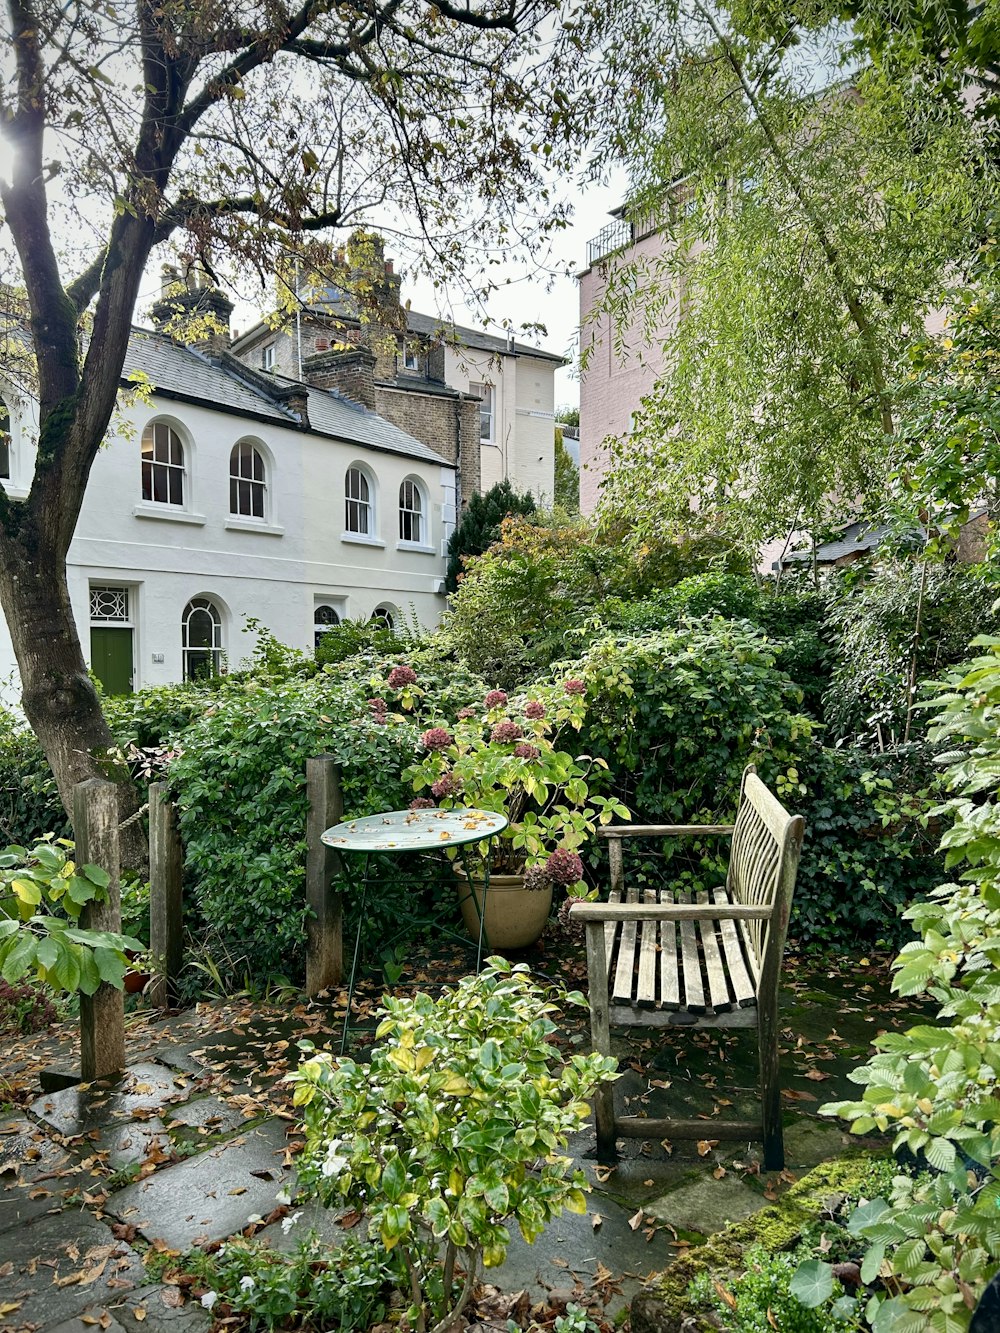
(662, 830)
(668, 912)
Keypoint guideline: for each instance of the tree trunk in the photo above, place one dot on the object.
(59, 698)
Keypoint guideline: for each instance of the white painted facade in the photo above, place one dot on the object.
(277, 569)
(521, 446)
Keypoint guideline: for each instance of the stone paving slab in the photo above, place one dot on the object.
(707, 1205)
(570, 1249)
(63, 1265)
(210, 1196)
(143, 1090)
(26, 1154)
(212, 1115)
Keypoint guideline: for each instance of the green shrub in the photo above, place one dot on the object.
(760, 1299)
(935, 1239)
(480, 524)
(314, 1286)
(873, 621)
(240, 785)
(868, 853)
(29, 800)
(352, 638)
(454, 1132)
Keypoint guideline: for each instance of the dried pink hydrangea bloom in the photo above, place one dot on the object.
(421, 803)
(564, 867)
(534, 709)
(446, 785)
(400, 676)
(575, 686)
(526, 751)
(495, 699)
(504, 732)
(435, 738)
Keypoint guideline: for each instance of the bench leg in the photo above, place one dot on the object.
(770, 1090)
(600, 1039)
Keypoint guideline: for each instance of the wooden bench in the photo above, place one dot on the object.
(665, 960)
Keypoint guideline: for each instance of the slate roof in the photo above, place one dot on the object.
(181, 372)
(429, 326)
(856, 539)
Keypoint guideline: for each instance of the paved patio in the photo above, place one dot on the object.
(197, 1142)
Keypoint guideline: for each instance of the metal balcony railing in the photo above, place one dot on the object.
(616, 235)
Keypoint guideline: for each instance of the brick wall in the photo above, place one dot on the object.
(446, 423)
(351, 373)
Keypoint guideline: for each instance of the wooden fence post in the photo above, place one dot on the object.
(166, 862)
(325, 946)
(102, 1015)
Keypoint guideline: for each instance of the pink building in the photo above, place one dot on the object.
(621, 366)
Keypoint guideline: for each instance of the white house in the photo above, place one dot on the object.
(224, 494)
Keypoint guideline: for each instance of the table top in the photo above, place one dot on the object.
(414, 830)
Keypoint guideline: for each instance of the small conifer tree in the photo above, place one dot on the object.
(480, 525)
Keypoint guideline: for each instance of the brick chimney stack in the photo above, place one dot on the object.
(191, 297)
(351, 373)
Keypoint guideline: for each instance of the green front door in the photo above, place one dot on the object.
(111, 658)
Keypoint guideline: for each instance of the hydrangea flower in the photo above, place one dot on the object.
(574, 686)
(377, 705)
(495, 699)
(505, 732)
(466, 712)
(422, 803)
(446, 785)
(564, 867)
(536, 878)
(400, 676)
(436, 738)
(534, 709)
(526, 751)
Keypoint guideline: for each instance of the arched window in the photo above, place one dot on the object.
(247, 481)
(4, 440)
(411, 512)
(324, 618)
(201, 639)
(162, 464)
(383, 615)
(360, 517)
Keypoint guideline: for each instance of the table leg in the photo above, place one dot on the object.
(482, 914)
(357, 951)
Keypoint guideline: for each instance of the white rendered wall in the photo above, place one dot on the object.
(523, 446)
(275, 571)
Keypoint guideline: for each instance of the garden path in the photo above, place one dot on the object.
(99, 1186)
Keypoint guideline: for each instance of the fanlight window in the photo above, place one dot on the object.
(382, 615)
(411, 515)
(358, 497)
(247, 481)
(324, 618)
(201, 639)
(162, 465)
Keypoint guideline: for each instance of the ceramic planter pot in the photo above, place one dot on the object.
(515, 916)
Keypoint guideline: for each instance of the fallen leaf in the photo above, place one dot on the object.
(817, 1075)
(636, 1221)
(240, 1189)
(596, 1220)
(9, 1307)
(140, 1313)
(724, 1295)
(705, 1146)
(719, 1172)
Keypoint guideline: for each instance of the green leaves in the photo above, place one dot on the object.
(458, 1146)
(812, 1283)
(42, 894)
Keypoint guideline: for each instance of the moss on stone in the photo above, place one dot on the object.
(663, 1305)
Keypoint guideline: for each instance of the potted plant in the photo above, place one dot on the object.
(508, 754)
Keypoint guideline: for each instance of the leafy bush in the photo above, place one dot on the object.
(25, 1007)
(313, 1287)
(29, 800)
(679, 714)
(42, 894)
(868, 853)
(241, 790)
(761, 1299)
(874, 621)
(937, 1239)
(352, 638)
(479, 527)
(453, 1131)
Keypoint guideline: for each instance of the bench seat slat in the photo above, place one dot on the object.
(694, 991)
(715, 972)
(645, 991)
(744, 989)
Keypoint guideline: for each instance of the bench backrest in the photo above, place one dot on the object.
(763, 862)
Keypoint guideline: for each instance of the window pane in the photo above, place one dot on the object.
(234, 496)
(200, 629)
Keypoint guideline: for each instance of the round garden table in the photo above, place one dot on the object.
(399, 832)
